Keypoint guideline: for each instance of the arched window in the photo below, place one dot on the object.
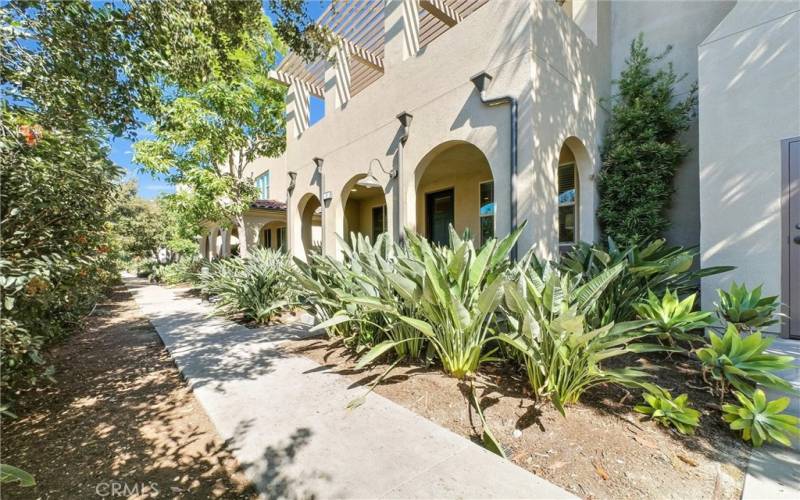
(567, 203)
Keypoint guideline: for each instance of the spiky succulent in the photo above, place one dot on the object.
(760, 420)
(665, 410)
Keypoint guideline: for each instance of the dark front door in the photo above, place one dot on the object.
(439, 213)
(791, 276)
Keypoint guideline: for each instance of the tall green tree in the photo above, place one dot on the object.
(73, 73)
(206, 137)
(642, 149)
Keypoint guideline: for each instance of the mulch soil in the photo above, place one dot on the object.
(602, 449)
(118, 422)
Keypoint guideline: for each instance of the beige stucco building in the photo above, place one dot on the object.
(484, 114)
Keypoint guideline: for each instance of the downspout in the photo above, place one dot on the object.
(481, 81)
(318, 162)
(405, 121)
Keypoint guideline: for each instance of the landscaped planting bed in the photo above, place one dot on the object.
(602, 449)
(593, 371)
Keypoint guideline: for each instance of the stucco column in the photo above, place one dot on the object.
(401, 27)
(202, 245)
(297, 109)
(213, 242)
(252, 228)
(225, 249)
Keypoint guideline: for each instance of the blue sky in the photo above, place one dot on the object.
(151, 187)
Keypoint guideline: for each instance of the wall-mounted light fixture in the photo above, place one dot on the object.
(370, 181)
(292, 181)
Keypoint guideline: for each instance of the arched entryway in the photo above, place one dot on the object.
(364, 208)
(310, 211)
(574, 165)
(454, 186)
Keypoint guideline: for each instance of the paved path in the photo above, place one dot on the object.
(285, 418)
(774, 471)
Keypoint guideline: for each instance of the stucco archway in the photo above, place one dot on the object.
(310, 211)
(454, 183)
(362, 209)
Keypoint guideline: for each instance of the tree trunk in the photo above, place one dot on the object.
(242, 234)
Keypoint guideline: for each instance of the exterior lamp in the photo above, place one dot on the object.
(370, 181)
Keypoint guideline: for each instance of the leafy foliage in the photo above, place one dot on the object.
(259, 286)
(761, 421)
(445, 296)
(647, 267)
(11, 474)
(355, 288)
(78, 62)
(672, 317)
(743, 362)
(563, 353)
(205, 137)
(747, 309)
(642, 151)
(662, 408)
(307, 38)
(457, 290)
(58, 254)
(186, 270)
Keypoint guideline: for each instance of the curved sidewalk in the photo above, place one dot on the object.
(285, 419)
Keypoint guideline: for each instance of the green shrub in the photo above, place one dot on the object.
(671, 317)
(58, 255)
(563, 353)
(326, 285)
(761, 421)
(259, 286)
(743, 362)
(186, 270)
(745, 309)
(662, 408)
(453, 290)
(642, 148)
(647, 267)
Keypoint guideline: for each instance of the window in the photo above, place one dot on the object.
(567, 197)
(378, 221)
(487, 211)
(281, 237)
(262, 183)
(268, 238)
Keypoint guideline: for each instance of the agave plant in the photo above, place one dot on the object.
(672, 317)
(761, 421)
(662, 408)
(747, 309)
(646, 267)
(563, 353)
(743, 362)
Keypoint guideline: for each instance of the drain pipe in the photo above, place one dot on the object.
(405, 121)
(318, 162)
(481, 82)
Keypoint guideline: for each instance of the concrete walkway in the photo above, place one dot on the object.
(284, 418)
(774, 470)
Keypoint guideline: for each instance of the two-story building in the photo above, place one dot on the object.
(487, 113)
